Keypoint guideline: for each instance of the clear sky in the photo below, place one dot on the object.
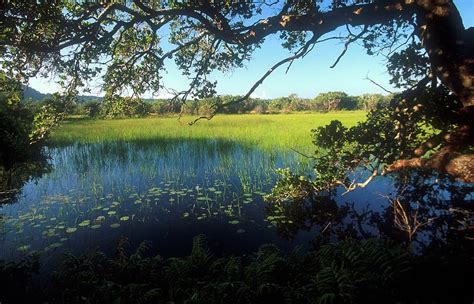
(307, 77)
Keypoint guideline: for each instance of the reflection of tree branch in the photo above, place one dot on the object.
(467, 223)
(405, 221)
(360, 218)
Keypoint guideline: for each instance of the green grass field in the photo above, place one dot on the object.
(281, 131)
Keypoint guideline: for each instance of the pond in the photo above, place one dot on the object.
(166, 192)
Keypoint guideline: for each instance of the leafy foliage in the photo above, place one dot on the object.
(370, 271)
(122, 107)
(268, 276)
(23, 130)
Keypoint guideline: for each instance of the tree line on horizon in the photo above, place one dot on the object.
(123, 107)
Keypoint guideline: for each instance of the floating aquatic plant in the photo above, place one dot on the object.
(84, 223)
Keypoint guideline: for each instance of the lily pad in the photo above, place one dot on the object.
(85, 223)
(23, 248)
(234, 222)
(71, 230)
(115, 225)
(124, 218)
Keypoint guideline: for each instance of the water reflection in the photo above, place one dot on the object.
(422, 210)
(17, 175)
(166, 192)
(170, 191)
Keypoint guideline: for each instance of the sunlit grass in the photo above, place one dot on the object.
(265, 131)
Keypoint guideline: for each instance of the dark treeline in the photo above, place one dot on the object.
(121, 107)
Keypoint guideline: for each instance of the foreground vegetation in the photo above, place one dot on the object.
(265, 131)
(370, 271)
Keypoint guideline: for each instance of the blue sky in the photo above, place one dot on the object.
(307, 77)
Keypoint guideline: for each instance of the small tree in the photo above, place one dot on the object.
(330, 101)
(92, 108)
(122, 107)
(368, 102)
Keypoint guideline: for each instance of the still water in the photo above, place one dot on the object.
(162, 192)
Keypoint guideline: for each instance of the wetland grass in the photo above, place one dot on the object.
(281, 131)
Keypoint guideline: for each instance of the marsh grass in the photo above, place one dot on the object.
(282, 131)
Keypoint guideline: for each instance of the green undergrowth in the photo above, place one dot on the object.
(351, 271)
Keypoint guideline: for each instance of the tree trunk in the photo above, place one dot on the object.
(450, 47)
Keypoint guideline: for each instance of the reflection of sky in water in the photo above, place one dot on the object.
(165, 192)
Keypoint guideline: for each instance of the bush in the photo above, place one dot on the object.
(92, 108)
(22, 130)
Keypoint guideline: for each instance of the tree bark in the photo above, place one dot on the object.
(449, 45)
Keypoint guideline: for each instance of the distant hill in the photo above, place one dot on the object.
(30, 93)
(86, 98)
(35, 95)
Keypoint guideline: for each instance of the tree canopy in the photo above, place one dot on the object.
(127, 44)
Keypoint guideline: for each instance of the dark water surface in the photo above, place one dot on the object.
(163, 192)
(166, 192)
